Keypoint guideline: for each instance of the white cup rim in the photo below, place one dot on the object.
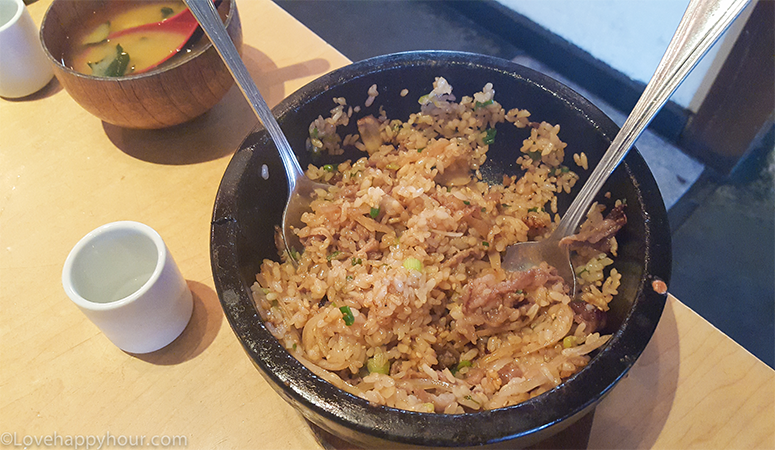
(141, 228)
(19, 11)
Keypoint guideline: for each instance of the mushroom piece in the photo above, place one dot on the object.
(369, 129)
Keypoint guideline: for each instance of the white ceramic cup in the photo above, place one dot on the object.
(123, 277)
(24, 68)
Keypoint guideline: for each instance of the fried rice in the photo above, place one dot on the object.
(399, 296)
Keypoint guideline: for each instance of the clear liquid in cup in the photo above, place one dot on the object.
(114, 266)
(128, 288)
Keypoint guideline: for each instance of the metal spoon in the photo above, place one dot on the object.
(702, 24)
(300, 188)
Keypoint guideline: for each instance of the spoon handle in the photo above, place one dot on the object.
(208, 18)
(702, 23)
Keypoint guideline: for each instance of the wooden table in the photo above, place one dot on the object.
(64, 173)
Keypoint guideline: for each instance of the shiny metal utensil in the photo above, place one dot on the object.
(702, 24)
(300, 188)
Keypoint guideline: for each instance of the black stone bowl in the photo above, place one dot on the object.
(248, 207)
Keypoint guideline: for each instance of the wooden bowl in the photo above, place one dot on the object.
(183, 88)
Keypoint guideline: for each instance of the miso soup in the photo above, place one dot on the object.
(95, 52)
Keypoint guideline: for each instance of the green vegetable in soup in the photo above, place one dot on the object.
(167, 12)
(111, 67)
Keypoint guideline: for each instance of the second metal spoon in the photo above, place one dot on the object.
(300, 188)
(702, 24)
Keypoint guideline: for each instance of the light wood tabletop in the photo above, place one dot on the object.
(63, 173)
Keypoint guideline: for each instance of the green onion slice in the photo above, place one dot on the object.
(489, 136)
(347, 315)
(413, 264)
(379, 363)
(464, 363)
(333, 255)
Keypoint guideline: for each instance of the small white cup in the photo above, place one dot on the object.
(24, 68)
(123, 277)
